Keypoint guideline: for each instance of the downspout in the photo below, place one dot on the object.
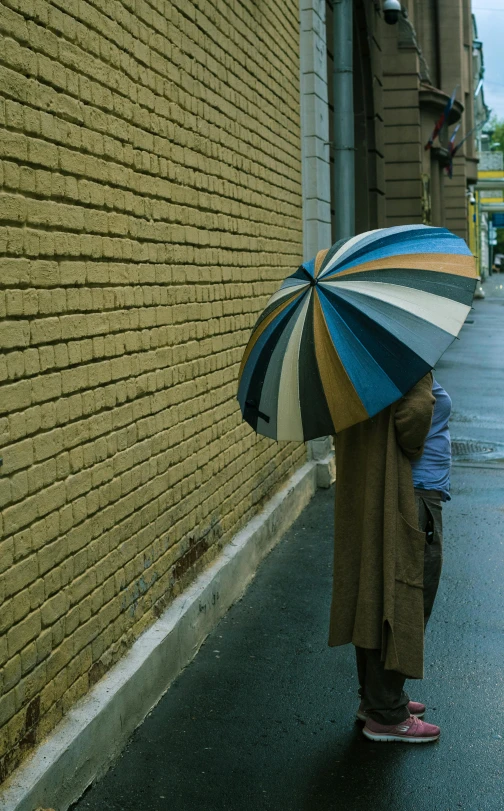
(343, 121)
(315, 170)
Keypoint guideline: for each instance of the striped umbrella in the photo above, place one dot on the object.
(354, 329)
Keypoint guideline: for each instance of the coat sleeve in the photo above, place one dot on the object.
(413, 417)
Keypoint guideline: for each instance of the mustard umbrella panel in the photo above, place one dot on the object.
(353, 329)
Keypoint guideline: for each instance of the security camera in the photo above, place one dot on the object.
(391, 11)
(472, 200)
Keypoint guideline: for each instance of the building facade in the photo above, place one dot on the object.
(403, 77)
(150, 203)
(164, 165)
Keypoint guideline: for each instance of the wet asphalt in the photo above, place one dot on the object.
(263, 718)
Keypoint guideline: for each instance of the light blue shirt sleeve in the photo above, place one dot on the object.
(432, 470)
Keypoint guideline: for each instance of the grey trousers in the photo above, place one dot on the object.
(382, 691)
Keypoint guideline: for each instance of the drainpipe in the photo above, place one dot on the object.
(343, 176)
(343, 121)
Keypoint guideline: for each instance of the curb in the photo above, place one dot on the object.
(87, 741)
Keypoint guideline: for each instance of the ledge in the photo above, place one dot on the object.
(434, 100)
(441, 154)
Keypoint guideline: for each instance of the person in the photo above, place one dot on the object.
(392, 476)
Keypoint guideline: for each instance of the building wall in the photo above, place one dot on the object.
(403, 146)
(369, 117)
(368, 100)
(427, 55)
(150, 203)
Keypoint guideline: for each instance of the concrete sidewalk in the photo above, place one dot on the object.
(263, 718)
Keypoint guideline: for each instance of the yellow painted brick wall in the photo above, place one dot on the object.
(150, 203)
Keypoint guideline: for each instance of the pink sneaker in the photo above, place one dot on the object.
(412, 730)
(414, 707)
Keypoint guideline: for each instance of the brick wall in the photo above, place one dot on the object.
(150, 203)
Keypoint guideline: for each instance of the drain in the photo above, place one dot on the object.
(473, 450)
(468, 447)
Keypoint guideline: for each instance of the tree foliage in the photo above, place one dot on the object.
(496, 127)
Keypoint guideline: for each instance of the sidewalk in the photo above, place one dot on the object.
(263, 718)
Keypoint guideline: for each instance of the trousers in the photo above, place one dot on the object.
(382, 691)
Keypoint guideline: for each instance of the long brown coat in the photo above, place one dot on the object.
(379, 550)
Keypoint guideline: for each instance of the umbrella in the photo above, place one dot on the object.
(353, 329)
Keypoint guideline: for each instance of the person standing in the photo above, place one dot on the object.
(387, 558)
(431, 481)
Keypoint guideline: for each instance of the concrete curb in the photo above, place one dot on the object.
(91, 736)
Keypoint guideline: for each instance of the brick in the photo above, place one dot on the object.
(22, 633)
(30, 686)
(46, 387)
(14, 302)
(19, 486)
(22, 544)
(15, 365)
(44, 274)
(3, 650)
(72, 273)
(42, 475)
(12, 208)
(48, 445)
(17, 456)
(45, 330)
(41, 153)
(7, 707)
(51, 554)
(4, 431)
(44, 645)
(14, 333)
(47, 416)
(28, 658)
(54, 608)
(13, 145)
(5, 492)
(37, 594)
(6, 554)
(15, 397)
(51, 499)
(21, 575)
(12, 673)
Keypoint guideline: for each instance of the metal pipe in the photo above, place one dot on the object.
(343, 121)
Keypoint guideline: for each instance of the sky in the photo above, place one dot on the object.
(490, 23)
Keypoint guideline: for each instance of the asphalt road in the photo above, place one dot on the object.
(263, 718)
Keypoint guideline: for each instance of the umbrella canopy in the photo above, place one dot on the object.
(354, 329)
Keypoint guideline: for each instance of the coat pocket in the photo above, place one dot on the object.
(410, 550)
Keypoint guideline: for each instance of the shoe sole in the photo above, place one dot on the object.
(373, 736)
(363, 717)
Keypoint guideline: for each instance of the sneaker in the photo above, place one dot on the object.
(414, 707)
(412, 730)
